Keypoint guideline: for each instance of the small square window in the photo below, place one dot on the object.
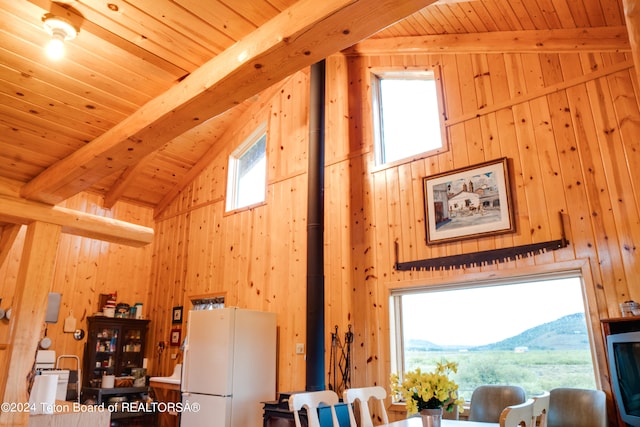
(408, 115)
(246, 182)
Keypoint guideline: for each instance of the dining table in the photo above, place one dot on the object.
(417, 422)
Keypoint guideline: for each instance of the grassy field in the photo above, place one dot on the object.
(534, 370)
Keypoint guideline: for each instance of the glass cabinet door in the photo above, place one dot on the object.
(106, 345)
(131, 350)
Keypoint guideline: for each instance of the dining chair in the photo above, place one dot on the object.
(520, 415)
(311, 401)
(488, 401)
(540, 409)
(363, 396)
(577, 407)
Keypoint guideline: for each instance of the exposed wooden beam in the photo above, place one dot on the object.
(601, 39)
(301, 35)
(8, 235)
(632, 18)
(20, 211)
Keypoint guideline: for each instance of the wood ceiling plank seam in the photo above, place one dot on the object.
(535, 15)
(281, 5)
(407, 26)
(595, 13)
(470, 12)
(498, 16)
(155, 30)
(254, 11)
(50, 112)
(470, 26)
(184, 21)
(102, 25)
(17, 172)
(29, 69)
(450, 24)
(55, 122)
(219, 16)
(11, 169)
(527, 16)
(25, 155)
(122, 64)
(564, 13)
(549, 14)
(63, 145)
(613, 12)
(37, 97)
(422, 22)
(483, 15)
(48, 136)
(578, 13)
(428, 17)
(504, 6)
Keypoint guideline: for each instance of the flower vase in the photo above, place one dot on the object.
(431, 417)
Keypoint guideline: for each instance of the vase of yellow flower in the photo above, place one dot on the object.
(431, 417)
(428, 393)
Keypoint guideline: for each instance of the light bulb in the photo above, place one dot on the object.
(55, 48)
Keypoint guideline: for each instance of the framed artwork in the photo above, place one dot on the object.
(175, 337)
(470, 202)
(177, 315)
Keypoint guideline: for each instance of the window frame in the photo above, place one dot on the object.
(557, 270)
(405, 73)
(231, 195)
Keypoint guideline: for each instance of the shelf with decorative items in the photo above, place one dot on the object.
(115, 346)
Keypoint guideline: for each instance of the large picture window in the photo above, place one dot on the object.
(408, 115)
(530, 332)
(246, 182)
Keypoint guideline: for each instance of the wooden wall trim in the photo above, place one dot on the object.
(603, 39)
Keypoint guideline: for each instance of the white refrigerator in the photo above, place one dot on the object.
(229, 367)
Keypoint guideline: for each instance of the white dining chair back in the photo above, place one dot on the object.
(520, 415)
(311, 401)
(363, 396)
(540, 409)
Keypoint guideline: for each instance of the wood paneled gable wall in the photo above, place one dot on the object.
(567, 121)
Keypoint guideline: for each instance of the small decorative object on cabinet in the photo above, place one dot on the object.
(115, 351)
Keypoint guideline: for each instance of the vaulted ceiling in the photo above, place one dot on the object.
(148, 86)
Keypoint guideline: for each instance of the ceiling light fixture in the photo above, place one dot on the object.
(60, 30)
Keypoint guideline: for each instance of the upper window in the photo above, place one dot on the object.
(408, 115)
(246, 182)
(530, 332)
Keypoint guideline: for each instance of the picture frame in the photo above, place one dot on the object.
(174, 340)
(470, 202)
(176, 316)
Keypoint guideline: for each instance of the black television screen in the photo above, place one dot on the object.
(624, 364)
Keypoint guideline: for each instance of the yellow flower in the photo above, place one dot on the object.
(428, 390)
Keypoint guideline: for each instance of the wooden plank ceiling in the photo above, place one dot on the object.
(118, 114)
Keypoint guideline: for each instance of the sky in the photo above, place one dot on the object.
(488, 314)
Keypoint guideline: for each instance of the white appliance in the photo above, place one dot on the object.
(229, 367)
(45, 365)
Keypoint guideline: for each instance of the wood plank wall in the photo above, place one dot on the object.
(567, 122)
(84, 269)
